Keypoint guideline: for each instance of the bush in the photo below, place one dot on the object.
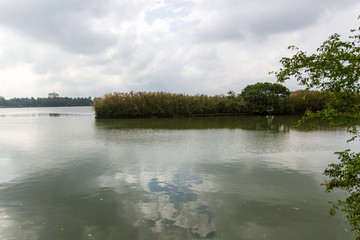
(265, 98)
(303, 100)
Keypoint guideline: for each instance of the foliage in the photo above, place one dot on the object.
(2, 101)
(345, 175)
(335, 70)
(303, 100)
(265, 98)
(45, 102)
(161, 104)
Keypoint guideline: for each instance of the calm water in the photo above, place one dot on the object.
(66, 175)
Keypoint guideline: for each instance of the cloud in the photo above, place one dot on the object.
(84, 48)
(65, 23)
(235, 20)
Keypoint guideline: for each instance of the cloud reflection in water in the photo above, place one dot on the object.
(172, 207)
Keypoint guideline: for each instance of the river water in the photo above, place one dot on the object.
(66, 175)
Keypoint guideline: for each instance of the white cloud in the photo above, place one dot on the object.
(82, 48)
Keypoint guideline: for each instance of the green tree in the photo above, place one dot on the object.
(265, 97)
(2, 101)
(335, 70)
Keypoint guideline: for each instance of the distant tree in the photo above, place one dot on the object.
(45, 102)
(2, 101)
(335, 70)
(262, 98)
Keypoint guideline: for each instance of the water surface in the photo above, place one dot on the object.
(66, 175)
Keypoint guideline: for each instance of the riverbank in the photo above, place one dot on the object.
(161, 104)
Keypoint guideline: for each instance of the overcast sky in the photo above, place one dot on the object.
(91, 47)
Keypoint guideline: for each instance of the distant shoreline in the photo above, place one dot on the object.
(45, 102)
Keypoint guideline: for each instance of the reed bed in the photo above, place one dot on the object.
(302, 100)
(163, 104)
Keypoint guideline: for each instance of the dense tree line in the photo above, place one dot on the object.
(260, 98)
(45, 102)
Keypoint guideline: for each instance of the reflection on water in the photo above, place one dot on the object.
(208, 178)
(46, 112)
(172, 208)
(272, 123)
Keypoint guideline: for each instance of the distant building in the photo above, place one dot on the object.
(53, 95)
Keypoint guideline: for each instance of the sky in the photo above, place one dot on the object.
(82, 48)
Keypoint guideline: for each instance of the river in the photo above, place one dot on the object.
(66, 175)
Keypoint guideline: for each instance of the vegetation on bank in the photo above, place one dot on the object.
(263, 98)
(161, 104)
(260, 98)
(334, 69)
(302, 100)
(45, 102)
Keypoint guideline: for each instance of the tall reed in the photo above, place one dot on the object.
(163, 104)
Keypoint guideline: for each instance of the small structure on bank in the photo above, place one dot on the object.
(53, 95)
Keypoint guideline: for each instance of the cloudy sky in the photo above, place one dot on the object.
(91, 47)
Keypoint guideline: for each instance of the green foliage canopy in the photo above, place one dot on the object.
(265, 97)
(335, 70)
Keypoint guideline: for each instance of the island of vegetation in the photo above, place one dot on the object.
(259, 98)
(45, 102)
